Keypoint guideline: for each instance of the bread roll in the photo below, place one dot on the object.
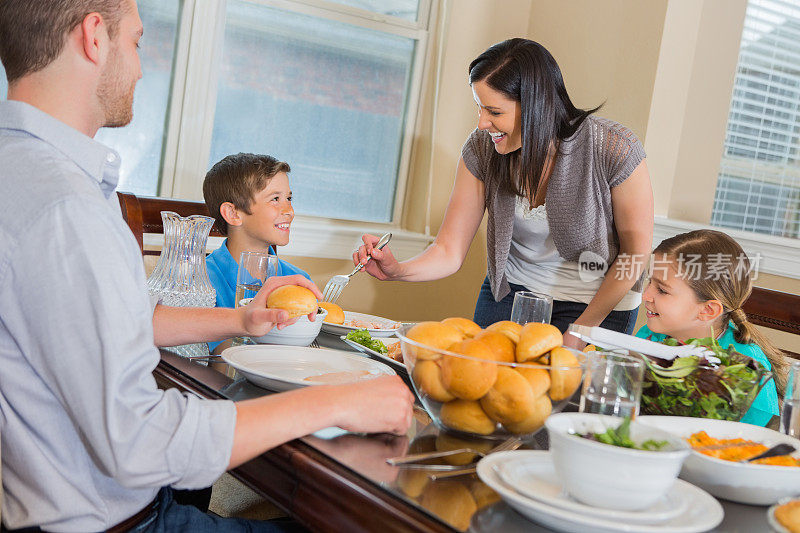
(466, 415)
(542, 408)
(451, 501)
(564, 382)
(507, 328)
(294, 299)
(469, 377)
(536, 339)
(500, 345)
(433, 334)
(510, 399)
(335, 313)
(428, 378)
(538, 379)
(446, 442)
(467, 327)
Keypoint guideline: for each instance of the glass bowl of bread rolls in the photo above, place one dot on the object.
(496, 382)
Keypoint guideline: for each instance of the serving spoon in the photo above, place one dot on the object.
(776, 451)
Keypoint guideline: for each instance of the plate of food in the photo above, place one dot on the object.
(281, 368)
(720, 446)
(784, 516)
(340, 322)
(386, 349)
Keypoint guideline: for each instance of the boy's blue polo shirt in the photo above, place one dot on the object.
(766, 403)
(222, 271)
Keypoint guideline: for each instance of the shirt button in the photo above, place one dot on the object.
(111, 157)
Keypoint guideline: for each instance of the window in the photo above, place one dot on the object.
(758, 188)
(328, 97)
(329, 86)
(140, 144)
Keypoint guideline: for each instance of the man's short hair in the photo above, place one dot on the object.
(33, 32)
(237, 179)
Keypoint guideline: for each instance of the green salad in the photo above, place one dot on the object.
(362, 337)
(621, 436)
(693, 386)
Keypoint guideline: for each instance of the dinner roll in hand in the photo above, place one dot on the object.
(294, 299)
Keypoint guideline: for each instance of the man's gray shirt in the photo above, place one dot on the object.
(87, 437)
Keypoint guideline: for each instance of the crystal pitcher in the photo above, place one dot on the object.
(180, 278)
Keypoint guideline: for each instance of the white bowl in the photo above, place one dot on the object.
(609, 476)
(738, 482)
(301, 333)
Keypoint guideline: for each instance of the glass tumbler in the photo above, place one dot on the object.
(790, 414)
(531, 307)
(613, 384)
(254, 269)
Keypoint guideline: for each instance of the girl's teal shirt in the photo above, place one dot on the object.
(765, 405)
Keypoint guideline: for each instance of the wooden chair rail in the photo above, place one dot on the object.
(143, 214)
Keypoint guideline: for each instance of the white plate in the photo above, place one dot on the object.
(535, 477)
(397, 365)
(341, 329)
(739, 482)
(777, 526)
(282, 368)
(702, 514)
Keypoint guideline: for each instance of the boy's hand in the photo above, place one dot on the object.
(382, 264)
(257, 319)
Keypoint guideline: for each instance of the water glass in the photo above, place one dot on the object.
(790, 414)
(254, 269)
(531, 307)
(613, 383)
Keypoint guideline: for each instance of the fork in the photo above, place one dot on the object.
(333, 289)
(411, 461)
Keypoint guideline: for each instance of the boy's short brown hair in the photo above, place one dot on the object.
(33, 33)
(237, 179)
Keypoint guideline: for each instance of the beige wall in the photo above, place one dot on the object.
(607, 51)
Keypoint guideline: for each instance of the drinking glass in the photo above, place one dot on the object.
(531, 307)
(790, 414)
(254, 269)
(613, 384)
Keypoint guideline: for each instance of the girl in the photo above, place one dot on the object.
(699, 284)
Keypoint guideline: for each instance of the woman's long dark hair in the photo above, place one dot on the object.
(524, 71)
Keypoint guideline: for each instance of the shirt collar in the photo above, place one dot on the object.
(94, 158)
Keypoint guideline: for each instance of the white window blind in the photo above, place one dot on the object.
(758, 188)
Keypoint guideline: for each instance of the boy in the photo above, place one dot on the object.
(250, 198)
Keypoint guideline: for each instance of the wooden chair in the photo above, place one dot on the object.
(775, 310)
(143, 215)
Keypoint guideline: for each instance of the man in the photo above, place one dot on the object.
(88, 441)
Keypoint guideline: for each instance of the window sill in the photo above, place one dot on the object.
(329, 239)
(779, 255)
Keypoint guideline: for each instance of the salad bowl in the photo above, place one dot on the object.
(698, 386)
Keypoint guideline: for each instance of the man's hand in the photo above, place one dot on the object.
(377, 405)
(257, 319)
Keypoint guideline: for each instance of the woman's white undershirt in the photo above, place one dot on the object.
(534, 262)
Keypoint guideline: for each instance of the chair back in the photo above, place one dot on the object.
(774, 310)
(143, 215)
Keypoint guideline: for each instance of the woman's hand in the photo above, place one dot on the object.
(383, 264)
(257, 319)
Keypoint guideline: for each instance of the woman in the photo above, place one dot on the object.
(560, 186)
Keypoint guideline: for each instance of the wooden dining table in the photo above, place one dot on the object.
(337, 481)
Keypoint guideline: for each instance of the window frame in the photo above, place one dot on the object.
(193, 98)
